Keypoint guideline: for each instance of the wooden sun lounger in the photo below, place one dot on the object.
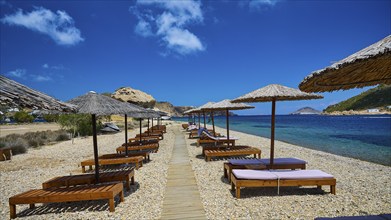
(153, 147)
(278, 165)
(152, 134)
(233, 151)
(160, 127)
(138, 160)
(260, 178)
(144, 153)
(72, 194)
(185, 126)
(144, 138)
(209, 139)
(126, 176)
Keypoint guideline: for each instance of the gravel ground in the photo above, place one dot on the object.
(362, 188)
(28, 171)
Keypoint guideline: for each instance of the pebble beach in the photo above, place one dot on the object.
(362, 188)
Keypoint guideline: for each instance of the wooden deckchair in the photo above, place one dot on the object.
(72, 194)
(233, 151)
(153, 147)
(126, 176)
(138, 160)
(262, 178)
(262, 164)
(144, 153)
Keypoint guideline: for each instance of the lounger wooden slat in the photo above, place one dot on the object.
(237, 182)
(126, 176)
(78, 193)
(233, 151)
(138, 160)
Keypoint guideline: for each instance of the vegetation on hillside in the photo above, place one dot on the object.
(379, 97)
(19, 143)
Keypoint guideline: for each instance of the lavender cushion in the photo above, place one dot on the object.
(301, 174)
(254, 174)
(284, 160)
(245, 161)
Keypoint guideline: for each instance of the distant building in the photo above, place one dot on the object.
(373, 110)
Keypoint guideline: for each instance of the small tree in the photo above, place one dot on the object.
(23, 117)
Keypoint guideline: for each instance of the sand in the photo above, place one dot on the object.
(363, 188)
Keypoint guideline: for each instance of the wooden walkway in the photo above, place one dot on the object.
(182, 198)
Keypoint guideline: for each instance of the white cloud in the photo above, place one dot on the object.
(55, 67)
(168, 21)
(258, 5)
(18, 73)
(41, 78)
(59, 26)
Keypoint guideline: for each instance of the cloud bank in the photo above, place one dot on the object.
(168, 21)
(258, 5)
(59, 25)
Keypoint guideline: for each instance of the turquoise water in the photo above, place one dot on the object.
(363, 137)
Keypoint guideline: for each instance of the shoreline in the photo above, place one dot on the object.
(360, 184)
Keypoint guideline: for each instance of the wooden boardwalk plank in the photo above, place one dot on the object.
(181, 199)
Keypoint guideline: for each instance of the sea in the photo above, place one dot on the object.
(364, 137)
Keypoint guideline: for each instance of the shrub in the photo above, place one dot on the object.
(18, 146)
(23, 117)
(51, 118)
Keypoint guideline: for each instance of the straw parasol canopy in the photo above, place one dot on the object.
(203, 108)
(14, 94)
(369, 66)
(273, 93)
(227, 105)
(96, 104)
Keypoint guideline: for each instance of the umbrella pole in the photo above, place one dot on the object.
(152, 124)
(227, 113)
(199, 120)
(95, 141)
(272, 133)
(126, 134)
(140, 131)
(213, 124)
(148, 126)
(204, 119)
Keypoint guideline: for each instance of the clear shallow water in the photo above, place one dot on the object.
(363, 137)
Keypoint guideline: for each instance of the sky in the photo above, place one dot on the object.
(185, 52)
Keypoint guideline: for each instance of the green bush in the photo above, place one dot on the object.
(23, 117)
(51, 118)
(20, 143)
(80, 124)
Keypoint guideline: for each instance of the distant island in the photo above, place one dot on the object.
(374, 101)
(306, 111)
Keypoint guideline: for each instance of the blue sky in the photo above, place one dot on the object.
(184, 52)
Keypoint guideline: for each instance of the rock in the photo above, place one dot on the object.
(134, 96)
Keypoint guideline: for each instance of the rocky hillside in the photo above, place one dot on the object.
(134, 96)
(146, 100)
(306, 111)
(379, 97)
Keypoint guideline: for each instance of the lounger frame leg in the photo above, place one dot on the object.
(332, 189)
(121, 195)
(83, 169)
(32, 206)
(111, 205)
(12, 211)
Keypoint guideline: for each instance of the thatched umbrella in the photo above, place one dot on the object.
(99, 105)
(369, 66)
(144, 115)
(15, 94)
(205, 108)
(273, 93)
(227, 105)
(202, 109)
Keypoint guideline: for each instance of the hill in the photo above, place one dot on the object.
(379, 97)
(306, 111)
